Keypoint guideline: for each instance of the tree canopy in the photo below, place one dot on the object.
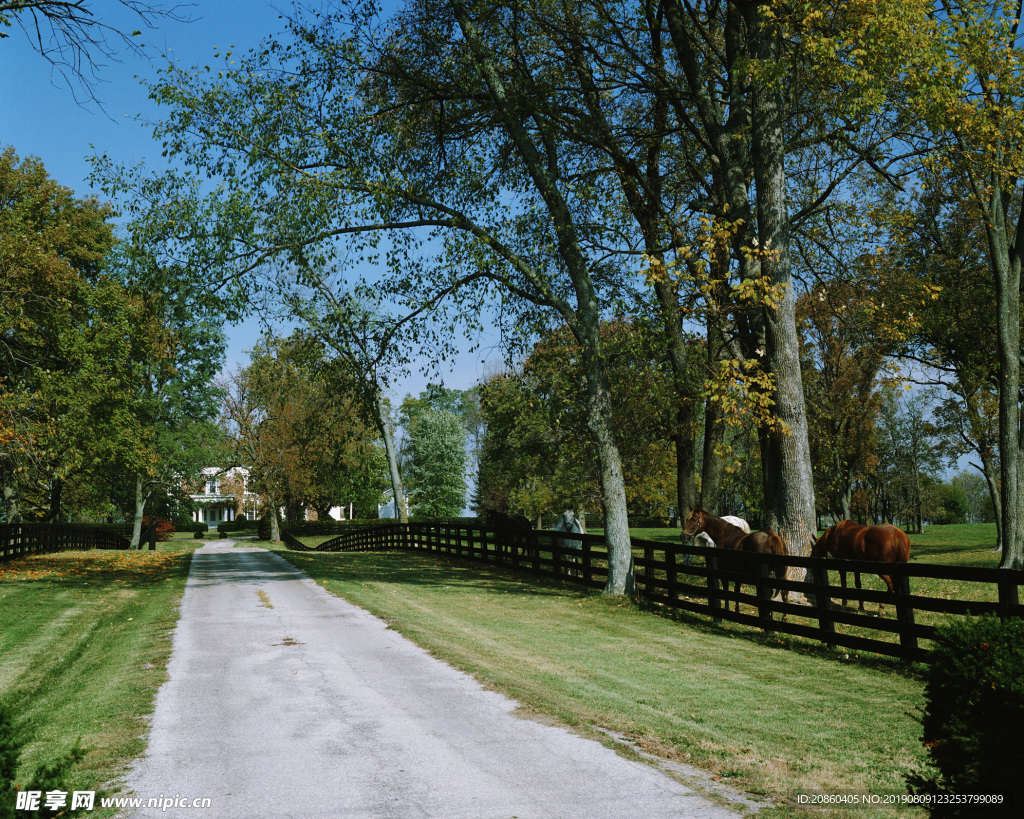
(781, 191)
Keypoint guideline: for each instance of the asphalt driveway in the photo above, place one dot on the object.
(285, 701)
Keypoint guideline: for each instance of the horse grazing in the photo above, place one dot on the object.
(726, 535)
(848, 540)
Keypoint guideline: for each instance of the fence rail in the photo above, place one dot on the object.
(20, 539)
(702, 581)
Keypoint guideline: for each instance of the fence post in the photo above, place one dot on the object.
(823, 604)
(648, 569)
(764, 592)
(905, 613)
(711, 570)
(1008, 595)
(671, 577)
(586, 561)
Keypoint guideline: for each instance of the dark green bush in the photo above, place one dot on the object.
(227, 526)
(263, 529)
(241, 520)
(974, 716)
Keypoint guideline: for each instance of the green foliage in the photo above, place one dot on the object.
(436, 475)
(974, 714)
(538, 454)
(292, 416)
(63, 328)
(949, 504)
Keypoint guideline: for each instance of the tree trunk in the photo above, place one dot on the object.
(846, 501)
(992, 480)
(685, 394)
(56, 492)
(1006, 273)
(791, 513)
(713, 466)
(12, 502)
(384, 427)
(275, 525)
(613, 485)
(140, 508)
(584, 321)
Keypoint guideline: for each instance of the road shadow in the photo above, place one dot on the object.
(414, 568)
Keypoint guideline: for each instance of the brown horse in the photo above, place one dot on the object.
(727, 536)
(847, 540)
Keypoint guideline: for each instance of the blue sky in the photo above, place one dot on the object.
(39, 116)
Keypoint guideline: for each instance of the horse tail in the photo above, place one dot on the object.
(903, 547)
(776, 543)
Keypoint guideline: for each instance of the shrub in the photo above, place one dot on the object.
(974, 715)
(263, 530)
(227, 526)
(164, 528)
(241, 520)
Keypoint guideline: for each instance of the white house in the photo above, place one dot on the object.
(224, 493)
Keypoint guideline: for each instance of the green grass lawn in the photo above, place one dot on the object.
(85, 639)
(767, 720)
(957, 545)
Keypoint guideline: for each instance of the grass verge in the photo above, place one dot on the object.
(769, 721)
(85, 639)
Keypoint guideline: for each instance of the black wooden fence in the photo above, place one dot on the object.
(19, 539)
(702, 581)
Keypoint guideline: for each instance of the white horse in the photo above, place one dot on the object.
(570, 524)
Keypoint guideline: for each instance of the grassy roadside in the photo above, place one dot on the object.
(85, 639)
(766, 720)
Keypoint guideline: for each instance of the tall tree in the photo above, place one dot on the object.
(52, 249)
(355, 163)
(956, 69)
(169, 376)
(842, 368)
(437, 464)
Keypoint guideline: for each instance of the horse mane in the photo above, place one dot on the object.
(830, 539)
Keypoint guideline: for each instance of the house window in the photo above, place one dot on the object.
(212, 486)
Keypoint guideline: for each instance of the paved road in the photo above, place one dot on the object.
(284, 701)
